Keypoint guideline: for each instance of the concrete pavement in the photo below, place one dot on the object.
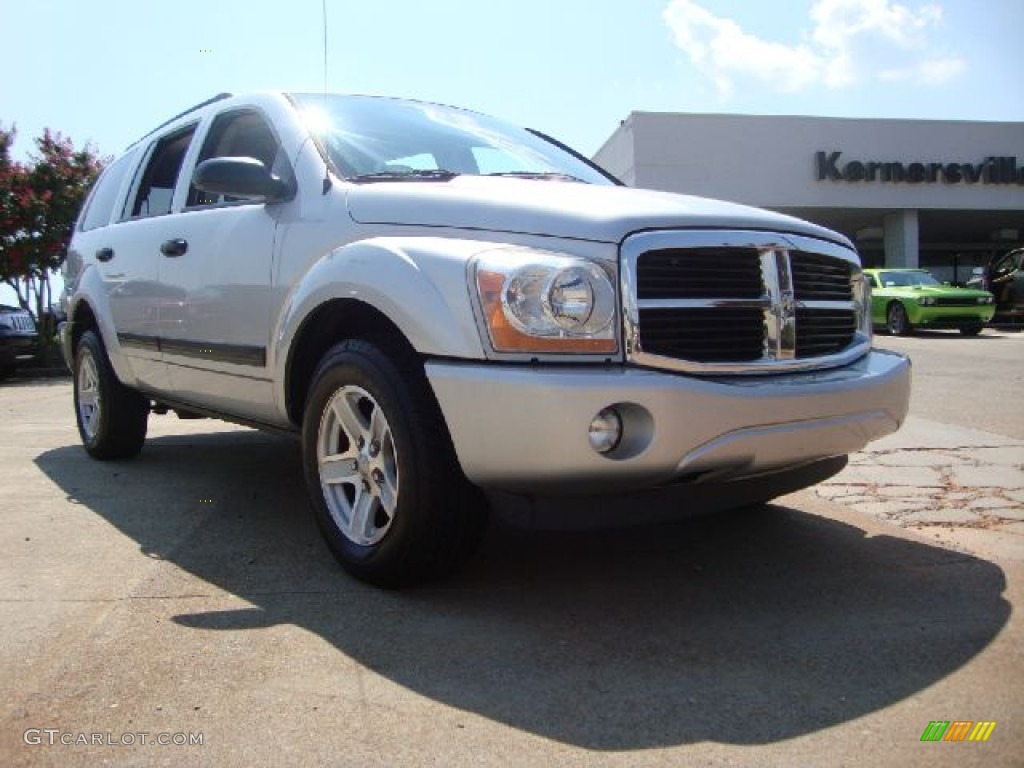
(940, 479)
(188, 593)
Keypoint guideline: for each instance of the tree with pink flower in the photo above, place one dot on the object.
(39, 201)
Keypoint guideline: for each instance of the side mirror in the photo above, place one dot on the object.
(244, 177)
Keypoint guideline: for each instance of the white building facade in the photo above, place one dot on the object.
(944, 195)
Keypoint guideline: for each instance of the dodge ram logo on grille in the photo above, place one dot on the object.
(787, 305)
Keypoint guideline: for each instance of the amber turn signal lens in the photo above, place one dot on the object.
(506, 338)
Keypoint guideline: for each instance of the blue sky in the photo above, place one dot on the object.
(108, 71)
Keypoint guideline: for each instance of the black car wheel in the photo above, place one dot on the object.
(387, 491)
(896, 320)
(112, 419)
(971, 330)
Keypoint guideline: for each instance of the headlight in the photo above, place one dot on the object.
(862, 301)
(538, 301)
(926, 301)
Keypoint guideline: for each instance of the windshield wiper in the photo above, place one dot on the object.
(542, 175)
(437, 174)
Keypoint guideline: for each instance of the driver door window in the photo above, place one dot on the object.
(242, 133)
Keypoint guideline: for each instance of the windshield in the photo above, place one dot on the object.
(906, 279)
(378, 139)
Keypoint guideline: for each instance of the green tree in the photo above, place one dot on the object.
(39, 201)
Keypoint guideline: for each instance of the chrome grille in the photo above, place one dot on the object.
(823, 332)
(956, 302)
(708, 335)
(22, 321)
(741, 302)
(820, 278)
(700, 273)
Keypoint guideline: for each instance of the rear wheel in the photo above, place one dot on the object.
(112, 418)
(896, 320)
(971, 330)
(387, 491)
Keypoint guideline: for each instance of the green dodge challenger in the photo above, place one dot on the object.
(904, 299)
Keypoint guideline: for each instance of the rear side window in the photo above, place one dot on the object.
(104, 196)
(241, 133)
(156, 189)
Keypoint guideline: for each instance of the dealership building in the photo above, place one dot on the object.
(944, 195)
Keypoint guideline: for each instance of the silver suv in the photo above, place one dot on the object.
(457, 315)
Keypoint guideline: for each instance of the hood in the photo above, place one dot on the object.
(557, 208)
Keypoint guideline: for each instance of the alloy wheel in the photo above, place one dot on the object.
(358, 465)
(88, 385)
(898, 323)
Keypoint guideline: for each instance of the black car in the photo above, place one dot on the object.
(19, 338)
(1004, 277)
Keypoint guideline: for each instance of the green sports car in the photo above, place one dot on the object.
(904, 299)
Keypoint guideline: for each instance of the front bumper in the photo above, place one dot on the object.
(951, 317)
(17, 346)
(524, 428)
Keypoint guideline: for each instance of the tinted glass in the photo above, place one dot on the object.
(907, 279)
(236, 134)
(104, 196)
(156, 190)
(366, 135)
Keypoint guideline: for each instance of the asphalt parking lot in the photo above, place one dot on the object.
(186, 596)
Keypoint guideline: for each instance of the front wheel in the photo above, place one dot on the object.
(387, 491)
(971, 330)
(112, 418)
(897, 322)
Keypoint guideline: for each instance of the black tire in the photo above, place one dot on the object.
(112, 418)
(971, 330)
(896, 320)
(399, 510)
(6, 371)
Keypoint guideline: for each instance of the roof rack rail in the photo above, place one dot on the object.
(200, 105)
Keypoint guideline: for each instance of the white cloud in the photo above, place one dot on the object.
(851, 41)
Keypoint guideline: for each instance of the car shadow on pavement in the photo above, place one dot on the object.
(744, 628)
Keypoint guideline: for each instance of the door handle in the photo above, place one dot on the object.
(175, 247)
(104, 254)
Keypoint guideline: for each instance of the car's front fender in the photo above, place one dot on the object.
(419, 283)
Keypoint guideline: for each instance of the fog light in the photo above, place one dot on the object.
(605, 430)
